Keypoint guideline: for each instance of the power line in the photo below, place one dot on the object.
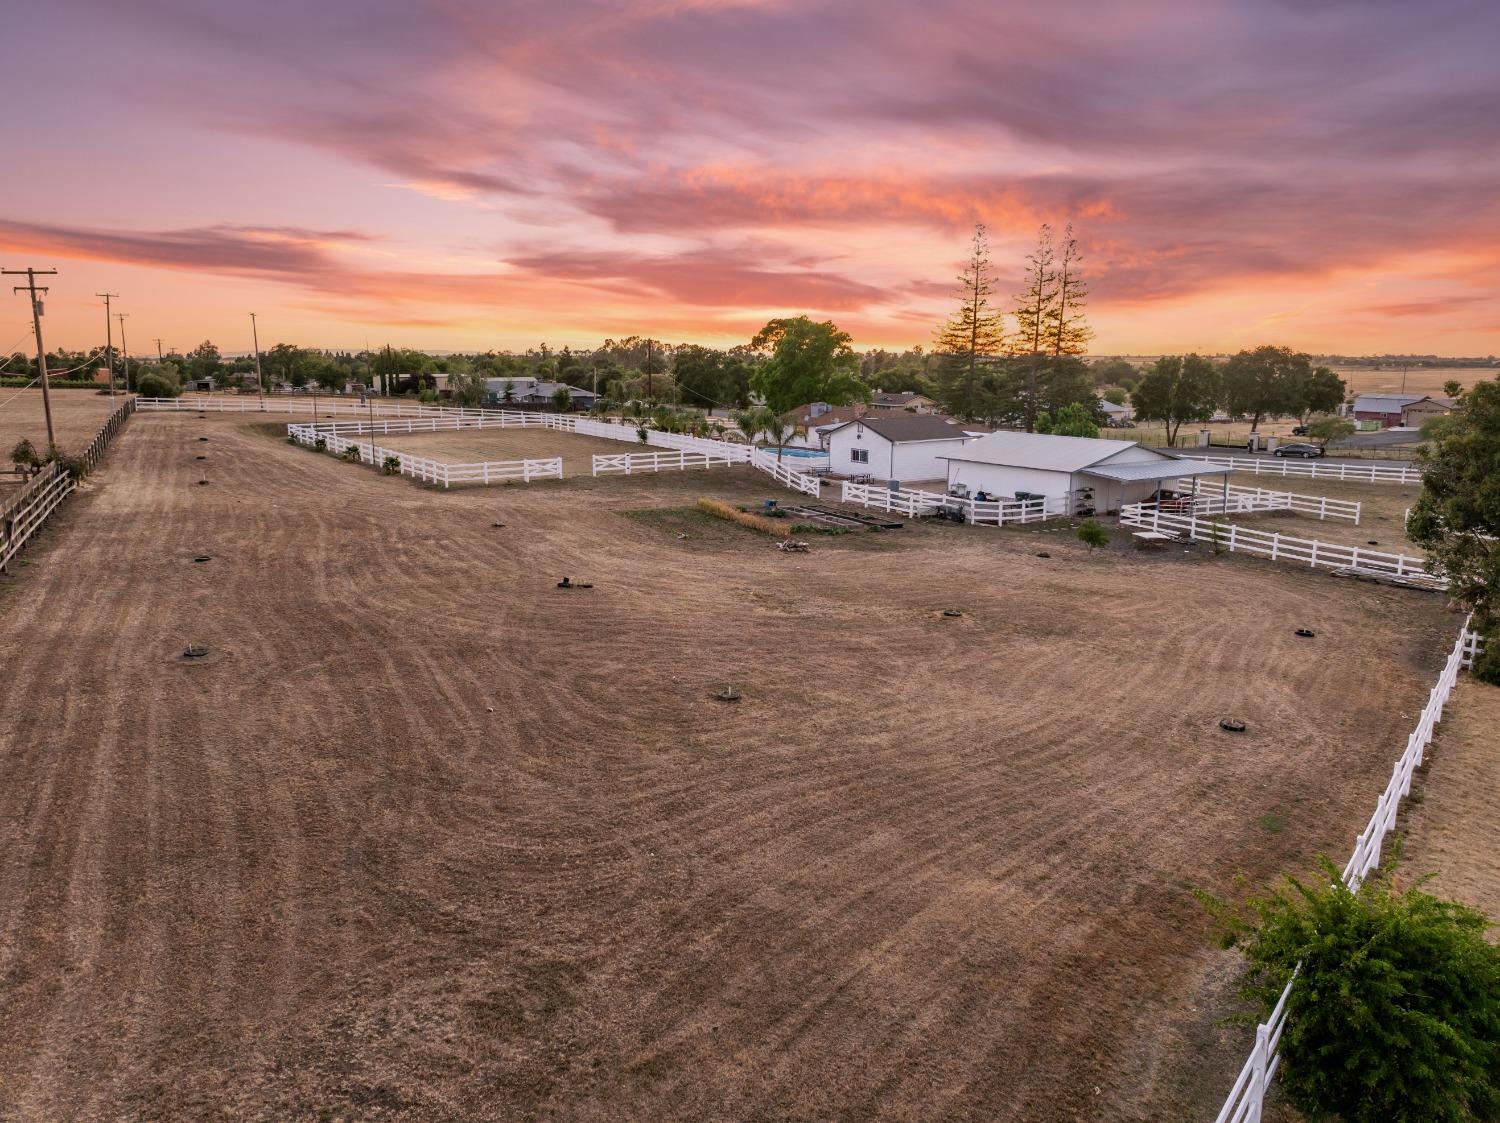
(124, 350)
(36, 324)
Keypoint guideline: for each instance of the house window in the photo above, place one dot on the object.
(859, 455)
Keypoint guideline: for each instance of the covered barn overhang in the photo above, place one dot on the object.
(1155, 470)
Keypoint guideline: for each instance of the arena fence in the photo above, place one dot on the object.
(1247, 500)
(915, 503)
(1312, 469)
(1247, 1097)
(1280, 547)
(628, 463)
(424, 468)
(788, 477)
(23, 514)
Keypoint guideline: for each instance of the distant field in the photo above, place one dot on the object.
(76, 418)
(1362, 381)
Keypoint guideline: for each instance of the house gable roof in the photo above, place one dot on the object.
(1045, 452)
(905, 428)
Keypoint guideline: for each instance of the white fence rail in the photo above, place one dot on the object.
(1280, 547)
(1247, 500)
(425, 468)
(915, 504)
(1247, 1097)
(628, 463)
(797, 481)
(1312, 469)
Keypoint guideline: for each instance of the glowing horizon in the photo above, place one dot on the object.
(457, 175)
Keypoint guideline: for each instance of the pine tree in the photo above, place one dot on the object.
(975, 331)
(1067, 326)
(1034, 311)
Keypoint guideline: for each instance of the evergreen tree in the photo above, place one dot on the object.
(1034, 312)
(1067, 327)
(974, 332)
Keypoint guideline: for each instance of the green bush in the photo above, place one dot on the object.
(1091, 534)
(1486, 666)
(1395, 1017)
(391, 465)
(152, 385)
(321, 444)
(23, 455)
(351, 454)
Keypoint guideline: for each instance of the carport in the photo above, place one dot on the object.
(1134, 481)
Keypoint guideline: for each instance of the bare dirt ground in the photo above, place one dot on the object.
(473, 445)
(1454, 830)
(427, 838)
(76, 418)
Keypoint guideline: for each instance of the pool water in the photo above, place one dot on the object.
(800, 453)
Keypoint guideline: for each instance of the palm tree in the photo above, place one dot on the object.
(779, 430)
(751, 421)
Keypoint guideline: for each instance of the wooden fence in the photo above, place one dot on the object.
(1280, 547)
(1247, 1097)
(24, 513)
(1313, 469)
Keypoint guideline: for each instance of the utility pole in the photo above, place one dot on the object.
(159, 359)
(109, 343)
(124, 351)
(36, 323)
(650, 393)
(255, 336)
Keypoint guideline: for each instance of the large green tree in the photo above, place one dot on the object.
(1266, 382)
(1035, 310)
(1457, 516)
(1175, 389)
(972, 334)
(204, 360)
(1068, 331)
(1321, 391)
(807, 362)
(707, 378)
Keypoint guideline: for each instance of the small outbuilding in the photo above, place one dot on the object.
(899, 446)
(1399, 411)
(1088, 472)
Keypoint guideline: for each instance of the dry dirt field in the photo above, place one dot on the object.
(1382, 514)
(1361, 380)
(466, 446)
(427, 838)
(76, 418)
(1453, 831)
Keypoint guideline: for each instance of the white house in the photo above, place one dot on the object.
(1115, 414)
(1102, 474)
(900, 446)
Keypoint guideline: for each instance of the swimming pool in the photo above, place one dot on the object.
(788, 452)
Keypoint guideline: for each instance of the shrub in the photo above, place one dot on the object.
(721, 510)
(1486, 666)
(642, 432)
(321, 444)
(351, 454)
(392, 465)
(1395, 1016)
(153, 385)
(24, 455)
(1091, 534)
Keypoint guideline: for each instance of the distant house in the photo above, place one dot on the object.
(816, 418)
(895, 446)
(1116, 414)
(1391, 411)
(1093, 472)
(199, 385)
(526, 391)
(908, 401)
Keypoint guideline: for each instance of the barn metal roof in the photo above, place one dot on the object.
(1167, 469)
(1042, 451)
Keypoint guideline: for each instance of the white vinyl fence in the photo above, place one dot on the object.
(914, 504)
(628, 463)
(424, 468)
(788, 477)
(1280, 547)
(1247, 500)
(1313, 469)
(1247, 1097)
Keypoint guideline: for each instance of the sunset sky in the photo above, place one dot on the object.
(461, 174)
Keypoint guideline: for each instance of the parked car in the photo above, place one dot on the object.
(1306, 451)
(1299, 430)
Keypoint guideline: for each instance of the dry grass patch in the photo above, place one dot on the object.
(721, 510)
